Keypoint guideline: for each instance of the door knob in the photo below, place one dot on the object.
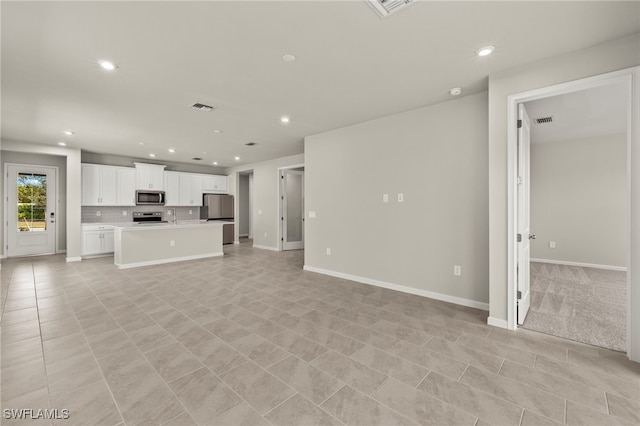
(532, 236)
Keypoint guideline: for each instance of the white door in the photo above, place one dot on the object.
(524, 226)
(292, 218)
(31, 209)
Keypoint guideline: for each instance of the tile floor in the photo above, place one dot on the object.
(252, 339)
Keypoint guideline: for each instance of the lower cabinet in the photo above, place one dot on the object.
(97, 240)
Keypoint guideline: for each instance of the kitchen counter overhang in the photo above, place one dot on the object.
(152, 244)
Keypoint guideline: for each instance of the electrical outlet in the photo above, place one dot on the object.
(400, 197)
(552, 244)
(124, 212)
(190, 211)
(172, 243)
(312, 215)
(260, 212)
(385, 198)
(98, 213)
(328, 251)
(457, 270)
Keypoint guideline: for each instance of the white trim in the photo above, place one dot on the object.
(265, 247)
(631, 77)
(243, 235)
(401, 288)
(73, 259)
(583, 265)
(497, 322)
(171, 260)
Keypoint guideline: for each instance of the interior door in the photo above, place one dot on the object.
(524, 225)
(31, 210)
(292, 209)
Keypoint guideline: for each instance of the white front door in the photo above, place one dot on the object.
(524, 225)
(31, 209)
(292, 218)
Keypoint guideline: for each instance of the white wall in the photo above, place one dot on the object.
(579, 200)
(73, 189)
(615, 55)
(437, 157)
(265, 197)
(42, 160)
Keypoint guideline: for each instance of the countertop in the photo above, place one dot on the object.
(131, 226)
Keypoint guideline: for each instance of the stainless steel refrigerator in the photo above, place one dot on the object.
(220, 208)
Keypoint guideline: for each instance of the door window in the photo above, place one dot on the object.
(32, 202)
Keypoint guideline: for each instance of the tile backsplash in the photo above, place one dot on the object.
(124, 214)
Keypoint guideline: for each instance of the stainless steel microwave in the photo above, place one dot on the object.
(150, 198)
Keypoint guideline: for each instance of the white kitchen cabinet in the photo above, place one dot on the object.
(190, 189)
(183, 189)
(172, 188)
(97, 240)
(215, 184)
(149, 176)
(99, 187)
(126, 186)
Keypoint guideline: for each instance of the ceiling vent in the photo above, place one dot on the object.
(544, 120)
(387, 7)
(202, 107)
(250, 143)
(196, 158)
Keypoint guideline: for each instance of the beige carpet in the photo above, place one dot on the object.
(583, 304)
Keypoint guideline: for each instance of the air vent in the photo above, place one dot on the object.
(196, 158)
(250, 143)
(543, 120)
(202, 107)
(387, 7)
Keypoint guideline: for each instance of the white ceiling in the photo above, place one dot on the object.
(351, 66)
(588, 113)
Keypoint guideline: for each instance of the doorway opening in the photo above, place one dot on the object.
(628, 78)
(292, 208)
(576, 193)
(30, 210)
(245, 207)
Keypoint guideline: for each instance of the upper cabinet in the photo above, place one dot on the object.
(214, 184)
(98, 185)
(126, 186)
(149, 176)
(183, 189)
(107, 185)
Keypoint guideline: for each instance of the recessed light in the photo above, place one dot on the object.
(171, 150)
(62, 144)
(486, 50)
(152, 155)
(107, 65)
(215, 163)
(288, 58)
(140, 143)
(217, 131)
(69, 133)
(285, 119)
(455, 91)
(237, 158)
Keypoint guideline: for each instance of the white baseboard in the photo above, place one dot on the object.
(73, 259)
(173, 259)
(404, 289)
(266, 247)
(583, 265)
(61, 251)
(243, 235)
(497, 322)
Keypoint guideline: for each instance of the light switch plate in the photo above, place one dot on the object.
(400, 197)
(385, 198)
(312, 215)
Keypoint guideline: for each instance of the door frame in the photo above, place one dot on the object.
(56, 236)
(279, 200)
(631, 78)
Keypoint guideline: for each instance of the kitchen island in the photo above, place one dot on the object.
(155, 243)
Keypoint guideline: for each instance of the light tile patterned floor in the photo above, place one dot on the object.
(252, 339)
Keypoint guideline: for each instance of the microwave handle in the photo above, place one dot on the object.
(162, 196)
